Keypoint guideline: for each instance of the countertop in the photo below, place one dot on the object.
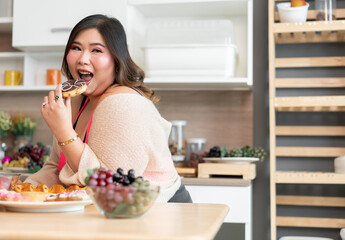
(163, 221)
(216, 181)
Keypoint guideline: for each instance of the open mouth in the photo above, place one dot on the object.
(86, 76)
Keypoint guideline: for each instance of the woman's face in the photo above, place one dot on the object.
(89, 59)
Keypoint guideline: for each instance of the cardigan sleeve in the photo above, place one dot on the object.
(126, 131)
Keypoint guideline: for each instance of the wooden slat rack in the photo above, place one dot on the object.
(310, 201)
(300, 33)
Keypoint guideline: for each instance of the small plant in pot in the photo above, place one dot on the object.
(294, 11)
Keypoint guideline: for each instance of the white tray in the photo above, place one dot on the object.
(17, 170)
(232, 160)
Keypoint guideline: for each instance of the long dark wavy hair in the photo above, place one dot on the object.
(127, 73)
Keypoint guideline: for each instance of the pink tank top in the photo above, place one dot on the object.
(62, 160)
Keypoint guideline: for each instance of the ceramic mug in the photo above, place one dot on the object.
(13, 77)
(53, 77)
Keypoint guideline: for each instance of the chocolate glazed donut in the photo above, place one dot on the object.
(72, 88)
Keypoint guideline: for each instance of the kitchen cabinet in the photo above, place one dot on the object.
(6, 16)
(236, 193)
(48, 31)
(295, 103)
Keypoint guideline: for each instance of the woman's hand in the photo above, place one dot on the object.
(57, 113)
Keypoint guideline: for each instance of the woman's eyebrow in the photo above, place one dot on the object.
(97, 44)
(92, 44)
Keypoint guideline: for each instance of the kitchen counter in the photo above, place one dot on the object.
(216, 181)
(163, 221)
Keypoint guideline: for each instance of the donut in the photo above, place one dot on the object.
(72, 88)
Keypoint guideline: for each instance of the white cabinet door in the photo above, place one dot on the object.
(46, 24)
(238, 198)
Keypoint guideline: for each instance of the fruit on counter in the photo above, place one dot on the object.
(119, 194)
(246, 151)
(298, 3)
(29, 156)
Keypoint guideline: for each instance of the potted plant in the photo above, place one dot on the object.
(23, 128)
(294, 11)
(5, 126)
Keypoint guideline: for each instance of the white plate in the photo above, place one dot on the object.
(232, 160)
(35, 207)
(17, 170)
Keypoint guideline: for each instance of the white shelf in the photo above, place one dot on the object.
(141, 13)
(24, 88)
(197, 83)
(33, 65)
(6, 24)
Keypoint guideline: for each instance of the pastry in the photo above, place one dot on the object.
(72, 88)
(75, 187)
(27, 187)
(6, 195)
(36, 196)
(77, 195)
(57, 188)
(42, 188)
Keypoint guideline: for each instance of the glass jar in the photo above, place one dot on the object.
(195, 151)
(177, 141)
(325, 10)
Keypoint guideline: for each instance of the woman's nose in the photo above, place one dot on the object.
(84, 58)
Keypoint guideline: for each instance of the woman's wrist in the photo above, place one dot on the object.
(68, 141)
(65, 136)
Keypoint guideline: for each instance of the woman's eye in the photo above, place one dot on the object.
(97, 50)
(75, 48)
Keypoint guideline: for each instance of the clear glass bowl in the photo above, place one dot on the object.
(123, 201)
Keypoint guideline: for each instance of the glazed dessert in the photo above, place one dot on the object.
(72, 88)
(6, 195)
(77, 195)
(35, 196)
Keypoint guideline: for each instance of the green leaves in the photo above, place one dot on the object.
(23, 125)
(5, 123)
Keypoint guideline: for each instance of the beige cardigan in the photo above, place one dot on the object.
(127, 131)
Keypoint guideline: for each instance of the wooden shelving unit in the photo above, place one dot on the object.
(299, 33)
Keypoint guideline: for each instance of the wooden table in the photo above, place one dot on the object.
(163, 221)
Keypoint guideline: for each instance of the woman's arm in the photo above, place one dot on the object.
(58, 116)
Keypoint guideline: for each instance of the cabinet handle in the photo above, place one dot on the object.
(61, 29)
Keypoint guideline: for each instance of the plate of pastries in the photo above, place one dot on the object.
(27, 198)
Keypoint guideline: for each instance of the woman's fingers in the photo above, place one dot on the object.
(44, 103)
(51, 97)
(58, 93)
(68, 102)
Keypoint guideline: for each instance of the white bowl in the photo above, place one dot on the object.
(292, 14)
(342, 233)
(339, 164)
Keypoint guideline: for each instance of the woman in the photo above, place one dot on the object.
(114, 123)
